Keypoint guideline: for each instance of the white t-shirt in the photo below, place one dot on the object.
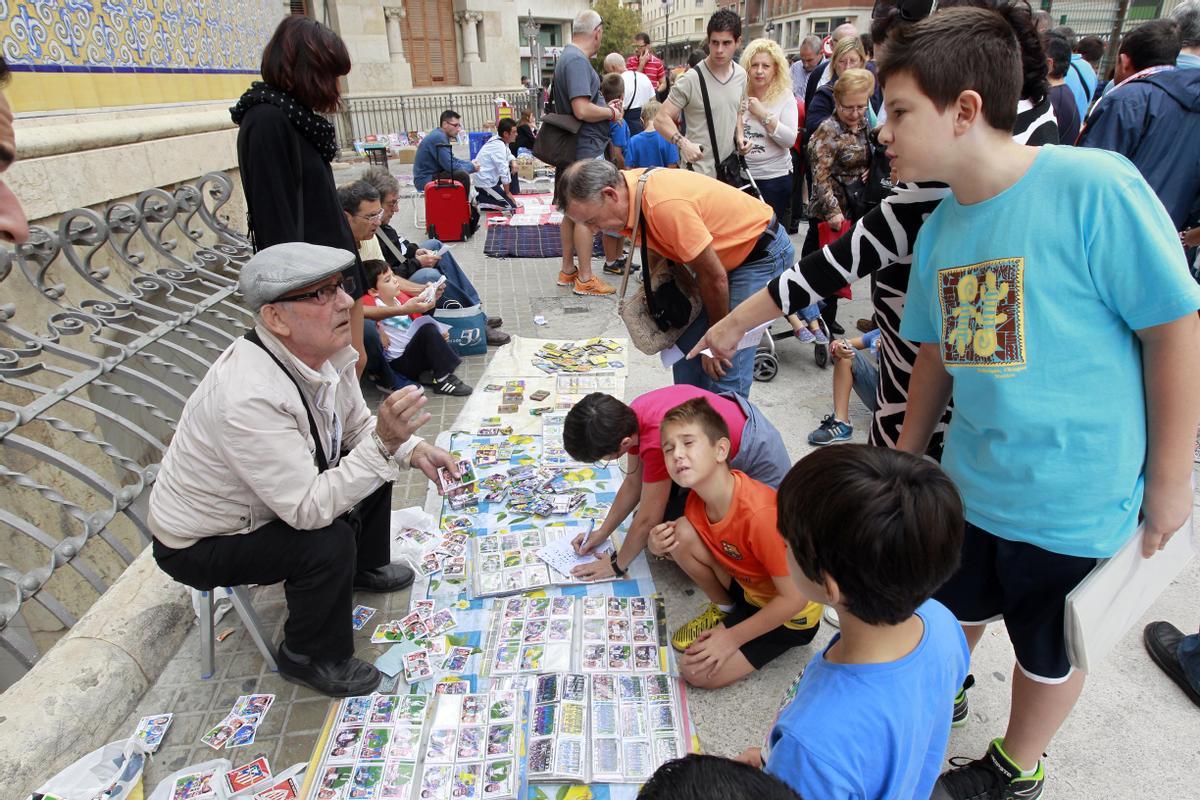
(638, 90)
(768, 156)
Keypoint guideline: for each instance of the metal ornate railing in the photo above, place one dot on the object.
(107, 324)
(361, 116)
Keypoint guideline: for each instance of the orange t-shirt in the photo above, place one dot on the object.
(684, 212)
(746, 542)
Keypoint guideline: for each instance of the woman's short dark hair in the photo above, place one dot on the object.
(886, 525)
(305, 59)
(595, 426)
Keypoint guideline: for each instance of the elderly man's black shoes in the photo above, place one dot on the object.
(388, 578)
(348, 678)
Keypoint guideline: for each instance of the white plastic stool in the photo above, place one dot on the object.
(239, 596)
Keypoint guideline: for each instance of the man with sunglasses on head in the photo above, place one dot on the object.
(279, 472)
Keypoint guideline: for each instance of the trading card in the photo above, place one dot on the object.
(658, 687)
(594, 630)
(465, 783)
(412, 708)
(506, 658)
(537, 576)
(495, 481)
(243, 735)
(375, 744)
(535, 631)
(561, 606)
(466, 475)
(568, 758)
(470, 742)
(452, 686)
(151, 730)
(645, 657)
(472, 709)
(514, 579)
(511, 630)
(286, 789)
(539, 395)
(360, 616)
(618, 630)
(574, 688)
(429, 564)
(247, 775)
(619, 657)
(593, 657)
(496, 430)
(510, 541)
(252, 706)
(496, 495)
(491, 582)
(405, 740)
(355, 712)
(514, 607)
(397, 780)
(343, 745)
(441, 745)
(512, 558)
(454, 568)
(633, 721)
(195, 786)
(500, 740)
(416, 666)
(455, 544)
(539, 607)
(508, 408)
(498, 778)
(503, 706)
(442, 621)
(487, 455)
(636, 758)
(463, 499)
(435, 781)
(514, 385)
(538, 411)
(571, 718)
(532, 558)
(457, 523)
(365, 783)
(666, 748)
(629, 687)
(335, 783)
(541, 756)
(604, 687)
(412, 622)
(489, 544)
(604, 719)
(512, 398)
(545, 720)
(387, 632)
(617, 606)
(546, 690)
(606, 756)
(493, 387)
(559, 630)
(643, 631)
(456, 661)
(222, 732)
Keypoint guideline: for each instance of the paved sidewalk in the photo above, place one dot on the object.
(1133, 734)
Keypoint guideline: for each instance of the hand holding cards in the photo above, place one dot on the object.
(429, 293)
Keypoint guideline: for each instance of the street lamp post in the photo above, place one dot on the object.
(667, 36)
(531, 30)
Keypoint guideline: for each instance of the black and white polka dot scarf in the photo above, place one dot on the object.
(312, 126)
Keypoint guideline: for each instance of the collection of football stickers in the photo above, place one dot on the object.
(474, 747)
(587, 355)
(431, 552)
(585, 634)
(420, 643)
(506, 562)
(241, 723)
(373, 749)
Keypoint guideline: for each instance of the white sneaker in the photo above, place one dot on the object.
(831, 618)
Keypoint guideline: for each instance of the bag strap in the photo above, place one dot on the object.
(383, 237)
(645, 248)
(322, 462)
(712, 132)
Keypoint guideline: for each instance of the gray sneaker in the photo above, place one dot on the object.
(831, 430)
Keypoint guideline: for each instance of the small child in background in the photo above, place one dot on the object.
(728, 543)
(613, 88)
(649, 148)
(872, 532)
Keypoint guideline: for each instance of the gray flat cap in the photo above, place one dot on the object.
(283, 268)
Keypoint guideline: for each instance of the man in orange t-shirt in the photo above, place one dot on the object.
(728, 543)
(730, 240)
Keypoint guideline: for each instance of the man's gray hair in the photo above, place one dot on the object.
(585, 22)
(812, 42)
(351, 196)
(583, 180)
(384, 182)
(614, 63)
(1187, 17)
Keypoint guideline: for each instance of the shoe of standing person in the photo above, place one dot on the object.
(993, 777)
(1162, 640)
(836, 329)
(593, 288)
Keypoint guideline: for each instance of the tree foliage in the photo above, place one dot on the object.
(620, 25)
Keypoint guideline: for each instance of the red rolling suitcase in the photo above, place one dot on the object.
(447, 212)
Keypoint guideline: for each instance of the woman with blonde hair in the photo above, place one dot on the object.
(770, 121)
(848, 54)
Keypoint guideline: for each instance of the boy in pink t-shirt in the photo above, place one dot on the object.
(602, 428)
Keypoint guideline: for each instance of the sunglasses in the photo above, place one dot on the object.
(907, 10)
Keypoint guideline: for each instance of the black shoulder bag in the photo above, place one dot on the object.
(732, 170)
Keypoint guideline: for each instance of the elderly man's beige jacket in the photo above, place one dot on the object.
(243, 454)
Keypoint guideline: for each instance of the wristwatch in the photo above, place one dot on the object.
(612, 559)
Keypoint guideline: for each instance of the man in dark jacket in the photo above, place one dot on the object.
(1152, 118)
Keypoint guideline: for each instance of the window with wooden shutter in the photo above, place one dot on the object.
(429, 42)
(299, 8)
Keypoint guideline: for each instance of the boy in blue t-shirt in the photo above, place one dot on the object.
(872, 532)
(1053, 305)
(649, 148)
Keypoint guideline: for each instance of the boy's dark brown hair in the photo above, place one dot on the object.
(884, 524)
(965, 49)
(595, 426)
(374, 267)
(612, 87)
(699, 411)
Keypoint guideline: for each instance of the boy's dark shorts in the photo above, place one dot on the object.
(763, 650)
(1027, 587)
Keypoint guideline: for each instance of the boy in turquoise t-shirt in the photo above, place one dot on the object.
(1054, 307)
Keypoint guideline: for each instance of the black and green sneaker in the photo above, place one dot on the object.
(961, 707)
(993, 777)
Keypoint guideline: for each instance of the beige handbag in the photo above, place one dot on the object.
(668, 301)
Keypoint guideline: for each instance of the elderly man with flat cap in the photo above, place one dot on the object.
(279, 472)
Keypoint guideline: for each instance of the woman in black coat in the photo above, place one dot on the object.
(285, 148)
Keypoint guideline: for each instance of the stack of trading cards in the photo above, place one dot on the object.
(373, 748)
(459, 492)
(420, 643)
(506, 562)
(474, 747)
(241, 723)
(151, 730)
(576, 357)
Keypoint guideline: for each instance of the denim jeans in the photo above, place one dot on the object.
(459, 288)
(809, 313)
(743, 282)
(377, 362)
(777, 193)
(1189, 657)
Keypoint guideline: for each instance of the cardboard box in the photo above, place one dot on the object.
(526, 169)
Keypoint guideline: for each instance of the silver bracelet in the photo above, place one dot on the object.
(383, 449)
